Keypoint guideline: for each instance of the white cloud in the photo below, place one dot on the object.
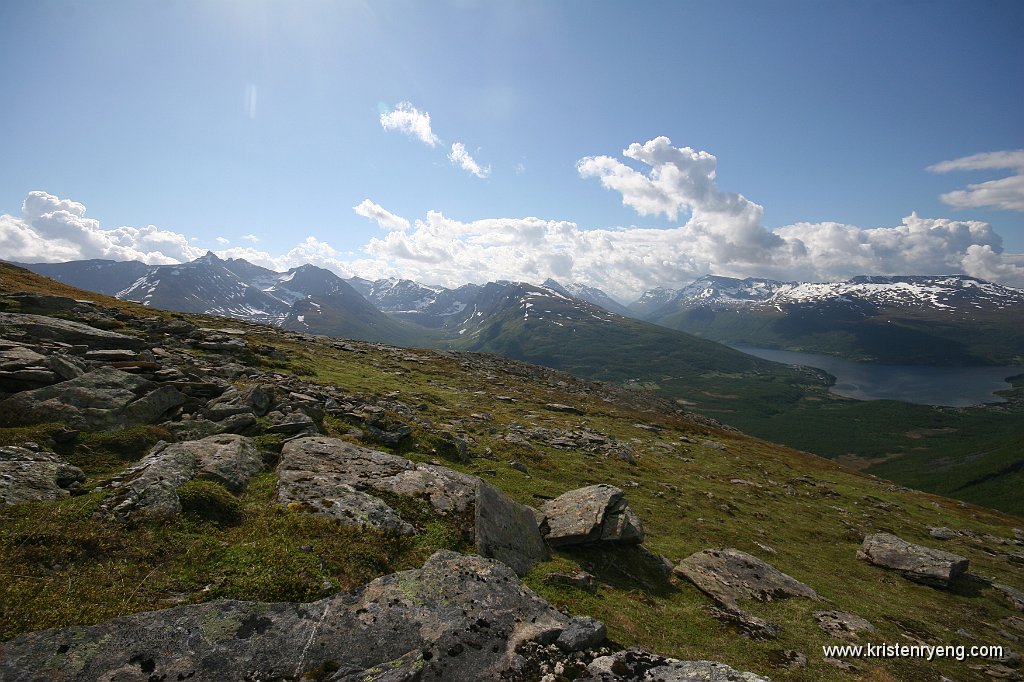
(407, 119)
(1005, 193)
(222, 241)
(385, 219)
(52, 229)
(519, 168)
(250, 238)
(461, 158)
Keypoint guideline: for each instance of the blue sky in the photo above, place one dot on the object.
(262, 124)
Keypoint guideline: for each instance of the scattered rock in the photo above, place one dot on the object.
(102, 398)
(921, 564)
(519, 466)
(506, 530)
(336, 478)
(1015, 596)
(581, 580)
(582, 632)
(788, 658)
(65, 331)
(558, 407)
(635, 664)
(728, 575)
(27, 475)
(842, 624)
(941, 533)
(597, 513)
(747, 624)
(457, 618)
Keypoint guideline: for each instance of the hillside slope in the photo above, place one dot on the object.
(693, 484)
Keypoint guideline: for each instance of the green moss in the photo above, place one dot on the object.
(209, 501)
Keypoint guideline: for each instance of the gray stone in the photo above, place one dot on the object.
(941, 533)
(30, 476)
(728, 575)
(581, 580)
(842, 624)
(102, 398)
(290, 423)
(921, 564)
(506, 530)
(747, 624)
(558, 407)
(462, 617)
(1015, 596)
(593, 514)
(66, 331)
(228, 459)
(582, 632)
(148, 489)
(639, 665)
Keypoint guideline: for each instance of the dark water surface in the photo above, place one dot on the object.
(952, 386)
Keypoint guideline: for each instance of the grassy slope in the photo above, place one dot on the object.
(944, 450)
(59, 566)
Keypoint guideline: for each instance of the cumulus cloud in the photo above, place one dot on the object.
(405, 118)
(250, 238)
(223, 241)
(52, 229)
(385, 219)
(1005, 193)
(461, 158)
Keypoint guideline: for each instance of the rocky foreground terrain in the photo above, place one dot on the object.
(183, 497)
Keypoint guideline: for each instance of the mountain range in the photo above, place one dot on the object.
(928, 320)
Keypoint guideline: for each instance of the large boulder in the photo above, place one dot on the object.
(842, 624)
(336, 478)
(728, 575)
(30, 476)
(103, 398)
(457, 618)
(921, 564)
(597, 513)
(150, 487)
(506, 530)
(65, 331)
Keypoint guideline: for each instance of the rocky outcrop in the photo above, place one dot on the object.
(149, 488)
(506, 530)
(921, 564)
(597, 513)
(729, 575)
(27, 475)
(13, 325)
(842, 624)
(335, 478)
(456, 618)
(103, 398)
(635, 664)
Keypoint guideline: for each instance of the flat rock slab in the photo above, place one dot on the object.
(728, 575)
(103, 398)
(636, 664)
(336, 478)
(28, 476)
(842, 624)
(597, 513)
(457, 618)
(149, 488)
(507, 531)
(921, 564)
(66, 331)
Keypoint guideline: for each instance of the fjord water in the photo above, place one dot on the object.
(925, 385)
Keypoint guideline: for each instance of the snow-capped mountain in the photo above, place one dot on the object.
(950, 319)
(591, 295)
(950, 293)
(306, 298)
